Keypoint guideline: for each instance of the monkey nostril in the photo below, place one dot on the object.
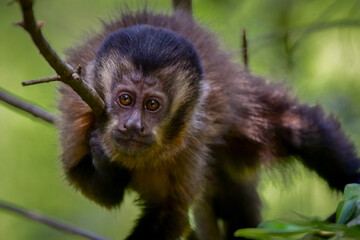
(122, 128)
(142, 130)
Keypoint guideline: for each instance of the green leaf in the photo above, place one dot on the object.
(355, 219)
(346, 210)
(280, 226)
(352, 232)
(354, 222)
(257, 233)
(352, 190)
(273, 230)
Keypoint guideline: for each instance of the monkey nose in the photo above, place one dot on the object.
(131, 128)
(122, 128)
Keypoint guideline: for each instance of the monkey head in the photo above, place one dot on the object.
(150, 80)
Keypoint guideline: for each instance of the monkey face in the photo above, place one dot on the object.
(147, 111)
(150, 80)
(136, 103)
(137, 108)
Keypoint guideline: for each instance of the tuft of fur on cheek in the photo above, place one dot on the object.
(108, 141)
(156, 132)
(90, 73)
(102, 73)
(105, 75)
(92, 78)
(194, 121)
(180, 97)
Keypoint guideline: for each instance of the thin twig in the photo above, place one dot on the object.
(184, 5)
(27, 107)
(68, 75)
(257, 43)
(245, 49)
(11, 2)
(308, 29)
(328, 11)
(325, 26)
(42, 80)
(51, 222)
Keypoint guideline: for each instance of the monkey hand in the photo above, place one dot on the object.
(100, 159)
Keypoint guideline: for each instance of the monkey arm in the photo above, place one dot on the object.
(105, 186)
(273, 124)
(166, 220)
(98, 178)
(321, 144)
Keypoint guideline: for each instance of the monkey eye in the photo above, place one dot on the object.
(152, 105)
(125, 100)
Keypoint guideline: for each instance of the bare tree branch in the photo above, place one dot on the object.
(51, 222)
(67, 73)
(27, 107)
(41, 80)
(184, 5)
(325, 26)
(245, 49)
(305, 30)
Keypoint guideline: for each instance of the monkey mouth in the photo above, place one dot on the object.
(133, 145)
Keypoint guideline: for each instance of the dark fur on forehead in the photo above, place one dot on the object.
(152, 48)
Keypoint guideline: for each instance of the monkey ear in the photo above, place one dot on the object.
(90, 73)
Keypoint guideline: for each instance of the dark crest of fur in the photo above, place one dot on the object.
(151, 48)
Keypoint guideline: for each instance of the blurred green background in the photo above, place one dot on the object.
(313, 46)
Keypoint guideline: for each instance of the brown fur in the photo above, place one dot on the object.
(240, 121)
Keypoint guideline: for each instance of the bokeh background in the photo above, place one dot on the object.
(313, 46)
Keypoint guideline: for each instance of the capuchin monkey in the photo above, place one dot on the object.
(183, 126)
